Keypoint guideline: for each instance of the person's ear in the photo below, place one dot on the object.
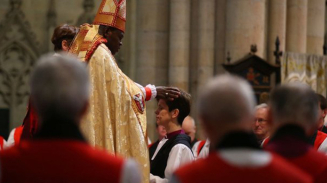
(175, 113)
(325, 112)
(64, 45)
(108, 33)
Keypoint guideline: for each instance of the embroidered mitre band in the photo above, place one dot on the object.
(112, 13)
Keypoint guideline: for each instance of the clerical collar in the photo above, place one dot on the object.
(292, 130)
(172, 134)
(238, 139)
(289, 141)
(64, 129)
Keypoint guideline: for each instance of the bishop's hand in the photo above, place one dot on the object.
(169, 93)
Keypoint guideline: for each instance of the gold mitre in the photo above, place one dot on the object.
(112, 13)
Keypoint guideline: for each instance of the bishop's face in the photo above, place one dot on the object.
(114, 37)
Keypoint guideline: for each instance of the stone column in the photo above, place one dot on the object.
(296, 26)
(276, 26)
(206, 37)
(220, 55)
(152, 50)
(316, 26)
(128, 49)
(245, 25)
(179, 43)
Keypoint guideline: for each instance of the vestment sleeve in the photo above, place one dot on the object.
(179, 155)
(149, 91)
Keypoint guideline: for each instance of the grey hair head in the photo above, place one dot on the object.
(261, 106)
(60, 87)
(295, 103)
(226, 98)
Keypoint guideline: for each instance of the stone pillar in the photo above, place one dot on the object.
(276, 26)
(152, 50)
(296, 26)
(206, 37)
(316, 26)
(220, 55)
(245, 25)
(129, 42)
(179, 43)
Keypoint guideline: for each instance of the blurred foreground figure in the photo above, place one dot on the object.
(226, 112)
(61, 39)
(60, 89)
(294, 114)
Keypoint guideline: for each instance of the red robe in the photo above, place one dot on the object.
(2, 140)
(297, 151)
(320, 138)
(54, 161)
(215, 169)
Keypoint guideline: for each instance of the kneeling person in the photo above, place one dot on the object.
(174, 150)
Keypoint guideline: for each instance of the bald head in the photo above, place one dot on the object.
(294, 103)
(227, 99)
(189, 127)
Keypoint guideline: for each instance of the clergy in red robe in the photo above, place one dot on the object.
(60, 90)
(226, 111)
(294, 112)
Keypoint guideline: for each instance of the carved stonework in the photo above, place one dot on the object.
(18, 53)
(51, 23)
(52, 14)
(87, 16)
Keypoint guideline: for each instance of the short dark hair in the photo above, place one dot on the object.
(182, 103)
(63, 32)
(323, 102)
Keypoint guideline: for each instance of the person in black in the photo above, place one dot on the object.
(174, 150)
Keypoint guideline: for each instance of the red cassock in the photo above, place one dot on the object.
(215, 169)
(320, 138)
(2, 140)
(303, 156)
(313, 163)
(54, 161)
